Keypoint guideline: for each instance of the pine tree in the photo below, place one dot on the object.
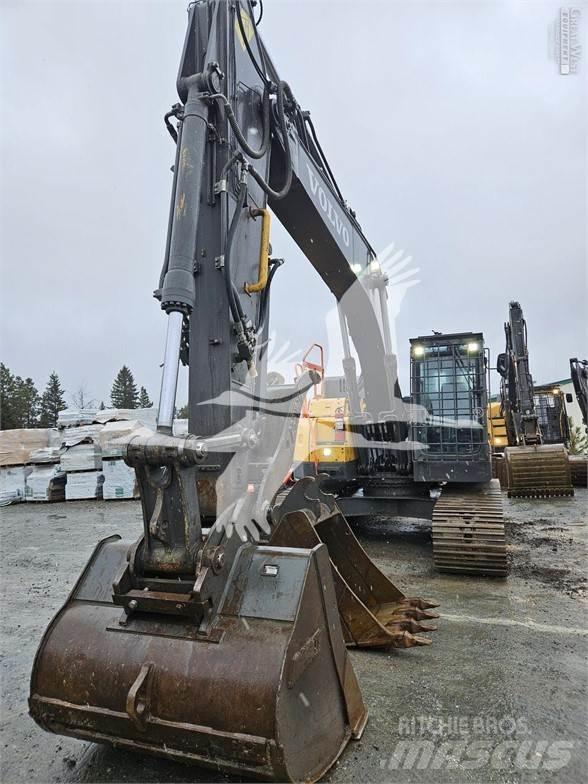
(7, 412)
(184, 412)
(578, 439)
(19, 401)
(124, 390)
(102, 407)
(27, 402)
(52, 402)
(144, 401)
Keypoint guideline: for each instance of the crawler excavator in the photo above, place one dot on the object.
(446, 476)
(532, 468)
(219, 636)
(579, 373)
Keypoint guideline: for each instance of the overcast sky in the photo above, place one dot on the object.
(447, 124)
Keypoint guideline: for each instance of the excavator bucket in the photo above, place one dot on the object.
(373, 611)
(268, 691)
(537, 471)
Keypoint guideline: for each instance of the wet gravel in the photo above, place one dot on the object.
(507, 666)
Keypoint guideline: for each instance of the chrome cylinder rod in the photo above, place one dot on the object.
(386, 331)
(169, 378)
(344, 332)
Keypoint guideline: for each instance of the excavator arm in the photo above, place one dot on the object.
(231, 92)
(579, 371)
(516, 391)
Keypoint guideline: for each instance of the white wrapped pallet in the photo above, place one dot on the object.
(71, 417)
(16, 446)
(119, 480)
(84, 484)
(180, 427)
(72, 436)
(45, 455)
(8, 497)
(13, 484)
(82, 457)
(146, 416)
(45, 483)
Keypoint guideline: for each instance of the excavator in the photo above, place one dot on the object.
(531, 467)
(552, 415)
(220, 637)
(579, 374)
(449, 476)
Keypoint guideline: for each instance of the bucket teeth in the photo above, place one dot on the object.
(374, 612)
(410, 625)
(418, 615)
(422, 604)
(407, 640)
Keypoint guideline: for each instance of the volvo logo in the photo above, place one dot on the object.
(327, 207)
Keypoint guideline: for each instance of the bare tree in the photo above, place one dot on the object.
(81, 397)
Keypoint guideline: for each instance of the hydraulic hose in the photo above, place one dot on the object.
(259, 153)
(283, 90)
(233, 297)
(260, 71)
(263, 308)
(322, 155)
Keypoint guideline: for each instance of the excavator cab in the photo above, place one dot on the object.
(448, 385)
(449, 396)
(552, 415)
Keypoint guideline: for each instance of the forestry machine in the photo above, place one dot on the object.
(532, 468)
(219, 637)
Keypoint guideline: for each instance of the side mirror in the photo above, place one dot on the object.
(569, 397)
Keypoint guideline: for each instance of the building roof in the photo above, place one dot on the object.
(555, 383)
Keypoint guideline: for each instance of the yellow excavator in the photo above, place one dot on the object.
(530, 467)
(220, 636)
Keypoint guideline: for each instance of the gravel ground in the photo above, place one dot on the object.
(500, 696)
